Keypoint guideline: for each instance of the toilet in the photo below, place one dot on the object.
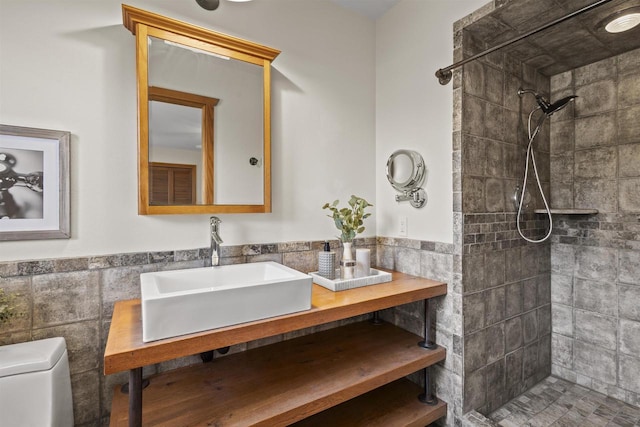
(35, 386)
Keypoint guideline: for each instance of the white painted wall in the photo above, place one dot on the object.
(346, 93)
(70, 65)
(413, 111)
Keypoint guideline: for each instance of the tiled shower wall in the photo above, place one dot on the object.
(74, 298)
(505, 280)
(595, 164)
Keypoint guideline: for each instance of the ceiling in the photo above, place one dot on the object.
(372, 9)
(578, 41)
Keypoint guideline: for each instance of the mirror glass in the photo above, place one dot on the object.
(237, 124)
(174, 142)
(401, 168)
(405, 170)
(204, 118)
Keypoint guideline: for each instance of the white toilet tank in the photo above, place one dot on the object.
(35, 386)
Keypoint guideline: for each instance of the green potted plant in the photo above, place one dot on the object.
(7, 306)
(349, 220)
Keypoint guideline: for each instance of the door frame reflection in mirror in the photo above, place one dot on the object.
(169, 174)
(207, 106)
(144, 24)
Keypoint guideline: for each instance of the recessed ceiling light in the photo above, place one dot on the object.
(623, 20)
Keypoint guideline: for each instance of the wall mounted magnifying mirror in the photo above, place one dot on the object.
(406, 171)
(203, 111)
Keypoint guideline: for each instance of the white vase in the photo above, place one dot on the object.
(347, 255)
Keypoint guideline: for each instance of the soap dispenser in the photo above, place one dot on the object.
(327, 262)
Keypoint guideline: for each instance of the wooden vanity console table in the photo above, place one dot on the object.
(346, 376)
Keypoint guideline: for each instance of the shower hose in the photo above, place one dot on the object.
(531, 154)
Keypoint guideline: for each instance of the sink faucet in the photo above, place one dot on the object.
(216, 241)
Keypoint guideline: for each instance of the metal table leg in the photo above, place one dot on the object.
(375, 320)
(428, 396)
(428, 343)
(135, 397)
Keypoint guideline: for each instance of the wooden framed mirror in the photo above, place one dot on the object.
(204, 106)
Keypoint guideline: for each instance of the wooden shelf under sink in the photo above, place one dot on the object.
(286, 382)
(325, 376)
(394, 404)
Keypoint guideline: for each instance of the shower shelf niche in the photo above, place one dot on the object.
(568, 211)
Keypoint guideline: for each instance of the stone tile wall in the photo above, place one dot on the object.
(595, 163)
(74, 298)
(595, 146)
(506, 312)
(433, 260)
(505, 281)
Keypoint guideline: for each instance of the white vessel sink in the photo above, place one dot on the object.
(180, 302)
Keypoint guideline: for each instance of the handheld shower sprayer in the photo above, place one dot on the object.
(559, 105)
(548, 109)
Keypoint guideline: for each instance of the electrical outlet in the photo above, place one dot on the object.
(403, 226)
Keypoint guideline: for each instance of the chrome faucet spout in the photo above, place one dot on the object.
(216, 241)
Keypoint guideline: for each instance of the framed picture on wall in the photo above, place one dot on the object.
(34, 183)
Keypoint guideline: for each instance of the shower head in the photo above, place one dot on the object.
(545, 105)
(558, 105)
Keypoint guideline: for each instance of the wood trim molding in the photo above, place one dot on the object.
(144, 24)
(132, 16)
(142, 78)
(181, 98)
(207, 106)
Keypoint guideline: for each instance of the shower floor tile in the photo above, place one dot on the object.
(554, 402)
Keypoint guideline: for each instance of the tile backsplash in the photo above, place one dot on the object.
(74, 298)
